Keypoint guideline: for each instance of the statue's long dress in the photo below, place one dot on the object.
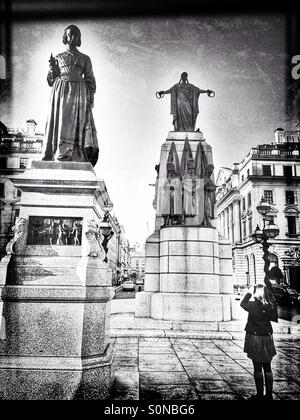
(189, 195)
(184, 106)
(70, 131)
(172, 198)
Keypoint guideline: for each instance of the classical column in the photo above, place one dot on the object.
(231, 230)
(223, 223)
(219, 224)
(226, 223)
(237, 221)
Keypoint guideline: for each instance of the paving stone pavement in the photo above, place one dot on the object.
(190, 369)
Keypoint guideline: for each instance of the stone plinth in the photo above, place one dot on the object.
(3, 273)
(56, 301)
(188, 273)
(188, 276)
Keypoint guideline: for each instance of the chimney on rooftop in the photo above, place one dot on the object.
(279, 135)
(31, 127)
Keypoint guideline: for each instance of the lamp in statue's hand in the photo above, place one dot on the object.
(211, 93)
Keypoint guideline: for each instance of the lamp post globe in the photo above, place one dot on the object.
(258, 235)
(263, 207)
(107, 207)
(271, 231)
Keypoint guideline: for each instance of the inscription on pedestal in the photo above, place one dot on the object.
(54, 231)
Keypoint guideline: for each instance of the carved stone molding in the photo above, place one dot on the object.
(94, 239)
(292, 209)
(17, 244)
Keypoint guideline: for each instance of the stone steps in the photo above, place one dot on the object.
(213, 335)
(126, 324)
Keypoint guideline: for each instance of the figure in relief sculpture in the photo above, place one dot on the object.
(189, 190)
(209, 197)
(172, 197)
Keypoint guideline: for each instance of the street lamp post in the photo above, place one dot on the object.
(106, 229)
(261, 236)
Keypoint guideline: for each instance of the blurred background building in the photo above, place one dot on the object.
(137, 262)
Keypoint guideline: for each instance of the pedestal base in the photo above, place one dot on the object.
(56, 299)
(184, 307)
(188, 276)
(54, 378)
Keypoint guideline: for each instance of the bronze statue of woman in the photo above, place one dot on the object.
(184, 103)
(70, 131)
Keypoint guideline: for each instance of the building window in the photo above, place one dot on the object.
(267, 170)
(242, 178)
(290, 197)
(19, 193)
(292, 230)
(253, 268)
(248, 173)
(250, 226)
(268, 196)
(1, 190)
(24, 163)
(288, 171)
(247, 271)
(244, 229)
(249, 199)
(2, 163)
(273, 260)
(243, 204)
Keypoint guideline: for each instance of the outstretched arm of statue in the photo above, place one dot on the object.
(209, 92)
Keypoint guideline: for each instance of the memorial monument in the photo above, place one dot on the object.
(188, 275)
(55, 341)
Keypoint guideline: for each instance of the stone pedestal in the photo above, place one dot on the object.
(56, 301)
(188, 274)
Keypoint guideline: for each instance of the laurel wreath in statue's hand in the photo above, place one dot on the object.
(160, 94)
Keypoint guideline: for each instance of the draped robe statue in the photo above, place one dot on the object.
(184, 103)
(70, 131)
(189, 183)
(209, 197)
(172, 197)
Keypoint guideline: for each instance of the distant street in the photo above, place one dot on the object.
(127, 294)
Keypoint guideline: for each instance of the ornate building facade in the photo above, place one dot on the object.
(18, 147)
(271, 171)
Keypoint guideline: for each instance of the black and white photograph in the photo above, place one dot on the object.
(149, 203)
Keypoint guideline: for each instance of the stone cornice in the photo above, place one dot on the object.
(229, 198)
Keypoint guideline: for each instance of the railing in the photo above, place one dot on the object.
(274, 153)
(5, 149)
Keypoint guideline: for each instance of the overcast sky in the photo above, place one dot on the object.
(241, 58)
